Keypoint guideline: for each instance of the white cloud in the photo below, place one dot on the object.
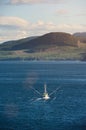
(13, 21)
(51, 27)
(12, 28)
(16, 2)
(34, 1)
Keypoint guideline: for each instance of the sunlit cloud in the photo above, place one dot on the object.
(17, 2)
(13, 22)
(45, 27)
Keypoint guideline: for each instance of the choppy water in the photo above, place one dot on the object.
(21, 107)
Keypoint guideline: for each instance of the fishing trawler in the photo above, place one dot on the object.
(45, 94)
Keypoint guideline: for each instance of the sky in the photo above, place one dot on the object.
(25, 18)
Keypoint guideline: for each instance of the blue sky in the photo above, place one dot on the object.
(24, 18)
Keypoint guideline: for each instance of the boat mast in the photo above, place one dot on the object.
(45, 88)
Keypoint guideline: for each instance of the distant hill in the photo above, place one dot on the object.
(81, 36)
(41, 43)
(9, 44)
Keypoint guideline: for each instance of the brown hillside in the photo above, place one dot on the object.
(46, 41)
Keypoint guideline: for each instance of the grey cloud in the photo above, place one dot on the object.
(9, 27)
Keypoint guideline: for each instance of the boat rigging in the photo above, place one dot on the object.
(45, 95)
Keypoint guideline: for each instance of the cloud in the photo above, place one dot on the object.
(81, 14)
(18, 2)
(34, 1)
(45, 27)
(62, 12)
(13, 22)
(11, 35)
(12, 28)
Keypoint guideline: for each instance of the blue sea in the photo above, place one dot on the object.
(21, 95)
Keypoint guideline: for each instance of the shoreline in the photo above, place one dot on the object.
(27, 60)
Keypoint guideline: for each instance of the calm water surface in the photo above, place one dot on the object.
(21, 108)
